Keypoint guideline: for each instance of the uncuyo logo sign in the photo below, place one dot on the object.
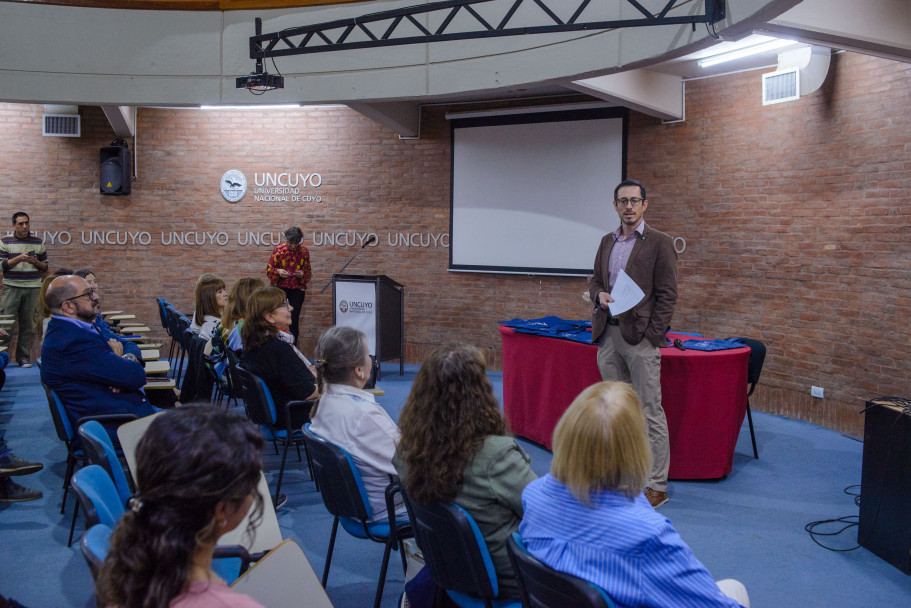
(343, 306)
(233, 185)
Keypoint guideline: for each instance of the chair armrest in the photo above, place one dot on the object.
(401, 530)
(295, 407)
(238, 551)
(102, 418)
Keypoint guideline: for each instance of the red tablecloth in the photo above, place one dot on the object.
(703, 395)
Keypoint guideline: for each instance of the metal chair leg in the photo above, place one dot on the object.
(69, 541)
(329, 553)
(752, 433)
(281, 471)
(382, 582)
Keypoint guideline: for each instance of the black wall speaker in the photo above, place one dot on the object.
(885, 489)
(115, 170)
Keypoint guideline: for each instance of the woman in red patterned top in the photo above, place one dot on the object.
(289, 270)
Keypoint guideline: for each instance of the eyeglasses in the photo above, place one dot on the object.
(285, 304)
(90, 293)
(622, 202)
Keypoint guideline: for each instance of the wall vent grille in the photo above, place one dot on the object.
(780, 86)
(61, 125)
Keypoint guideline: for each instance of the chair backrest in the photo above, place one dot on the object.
(197, 383)
(97, 496)
(282, 578)
(163, 312)
(99, 449)
(337, 478)
(454, 550)
(95, 546)
(173, 316)
(182, 332)
(129, 435)
(757, 358)
(544, 587)
(257, 398)
(62, 423)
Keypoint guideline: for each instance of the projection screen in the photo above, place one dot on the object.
(531, 193)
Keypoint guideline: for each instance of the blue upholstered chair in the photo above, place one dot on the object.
(95, 546)
(544, 587)
(75, 453)
(455, 552)
(276, 425)
(345, 497)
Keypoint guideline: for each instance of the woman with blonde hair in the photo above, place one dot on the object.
(590, 518)
(236, 308)
(454, 447)
(210, 297)
(226, 334)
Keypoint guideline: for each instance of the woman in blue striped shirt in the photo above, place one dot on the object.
(589, 517)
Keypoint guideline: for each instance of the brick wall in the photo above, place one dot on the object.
(795, 218)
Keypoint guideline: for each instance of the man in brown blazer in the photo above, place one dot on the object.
(628, 348)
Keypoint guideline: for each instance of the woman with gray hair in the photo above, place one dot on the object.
(350, 417)
(289, 270)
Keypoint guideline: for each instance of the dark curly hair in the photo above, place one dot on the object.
(449, 413)
(189, 460)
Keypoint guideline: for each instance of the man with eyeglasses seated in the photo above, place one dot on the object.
(89, 372)
(628, 349)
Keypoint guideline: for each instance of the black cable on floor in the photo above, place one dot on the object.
(849, 520)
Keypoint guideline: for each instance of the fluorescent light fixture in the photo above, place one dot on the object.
(286, 106)
(747, 51)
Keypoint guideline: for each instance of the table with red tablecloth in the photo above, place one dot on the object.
(704, 395)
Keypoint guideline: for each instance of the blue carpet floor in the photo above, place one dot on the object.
(748, 526)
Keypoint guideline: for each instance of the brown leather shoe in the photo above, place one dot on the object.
(655, 498)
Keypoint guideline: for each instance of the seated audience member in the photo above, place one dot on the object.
(350, 417)
(454, 448)
(11, 465)
(129, 348)
(88, 372)
(197, 470)
(227, 334)
(211, 296)
(590, 518)
(282, 367)
(44, 313)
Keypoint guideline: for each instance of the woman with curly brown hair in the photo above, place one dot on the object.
(454, 448)
(197, 470)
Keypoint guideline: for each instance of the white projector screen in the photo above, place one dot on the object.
(531, 193)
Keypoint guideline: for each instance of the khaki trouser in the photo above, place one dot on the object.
(640, 365)
(22, 303)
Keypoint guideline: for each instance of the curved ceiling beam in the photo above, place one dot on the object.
(130, 57)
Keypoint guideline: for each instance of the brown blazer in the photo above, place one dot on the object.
(653, 266)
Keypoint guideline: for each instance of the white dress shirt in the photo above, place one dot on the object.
(352, 419)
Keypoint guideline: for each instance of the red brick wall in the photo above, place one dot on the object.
(795, 218)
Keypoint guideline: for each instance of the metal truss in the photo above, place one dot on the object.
(400, 26)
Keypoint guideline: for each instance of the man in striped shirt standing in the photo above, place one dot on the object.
(24, 260)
